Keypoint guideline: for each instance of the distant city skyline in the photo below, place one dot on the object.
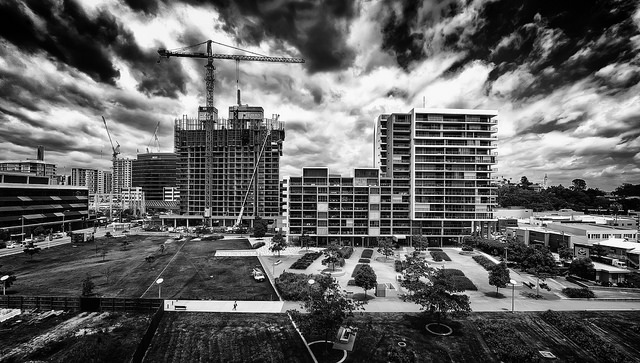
(564, 77)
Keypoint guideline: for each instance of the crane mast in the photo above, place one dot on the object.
(210, 118)
(114, 156)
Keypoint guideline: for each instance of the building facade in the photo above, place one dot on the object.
(121, 177)
(440, 161)
(236, 144)
(29, 201)
(154, 172)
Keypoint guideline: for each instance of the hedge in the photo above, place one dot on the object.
(215, 237)
(257, 245)
(294, 286)
(307, 259)
(434, 249)
(484, 262)
(364, 260)
(578, 293)
(453, 272)
(351, 282)
(467, 248)
(439, 256)
(463, 282)
(367, 253)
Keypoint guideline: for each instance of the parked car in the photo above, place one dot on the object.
(58, 235)
(258, 275)
(11, 245)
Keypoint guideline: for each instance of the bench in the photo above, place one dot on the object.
(180, 307)
(277, 262)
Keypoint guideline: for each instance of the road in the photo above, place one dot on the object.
(56, 242)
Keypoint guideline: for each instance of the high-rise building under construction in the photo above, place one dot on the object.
(243, 165)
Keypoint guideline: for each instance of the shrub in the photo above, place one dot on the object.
(364, 260)
(215, 237)
(345, 252)
(257, 245)
(484, 262)
(351, 282)
(294, 286)
(467, 248)
(439, 256)
(453, 272)
(307, 259)
(434, 249)
(463, 282)
(356, 269)
(367, 253)
(505, 342)
(578, 293)
(398, 266)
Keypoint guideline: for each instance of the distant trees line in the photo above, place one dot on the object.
(577, 197)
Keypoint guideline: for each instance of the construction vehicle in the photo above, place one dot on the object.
(114, 157)
(208, 111)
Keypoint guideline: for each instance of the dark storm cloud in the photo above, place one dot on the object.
(316, 28)
(63, 31)
(540, 126)
(396, 92)
(541, 35)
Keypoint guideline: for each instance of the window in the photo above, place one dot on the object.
(322, 223)
(374, 223)
(322, 215)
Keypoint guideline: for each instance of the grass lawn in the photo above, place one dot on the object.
(379, 334)
(71, 337)
(221, 337)
(189, 269)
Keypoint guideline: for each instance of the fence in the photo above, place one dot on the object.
(80, 303)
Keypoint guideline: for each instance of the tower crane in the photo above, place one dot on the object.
(114, 156)
(187, 52)
(155, 137)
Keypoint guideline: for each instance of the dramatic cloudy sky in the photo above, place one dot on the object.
(564, 76)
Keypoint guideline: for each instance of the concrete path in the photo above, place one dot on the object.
(222, 306)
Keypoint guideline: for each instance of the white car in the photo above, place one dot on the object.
(258, 275)
(11, 245)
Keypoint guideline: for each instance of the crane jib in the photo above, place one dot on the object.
(165, 53)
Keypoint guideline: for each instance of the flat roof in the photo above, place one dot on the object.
(456, 111)
(597, 227)
(618, 243)
(610, 269)
(41, 186)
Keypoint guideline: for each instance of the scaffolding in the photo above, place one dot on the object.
(234, 145)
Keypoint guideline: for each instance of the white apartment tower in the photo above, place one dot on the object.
(447, 155)
(122, 175)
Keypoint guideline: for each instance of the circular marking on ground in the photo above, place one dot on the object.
(448, 332)
(344, 351)
(402, 344)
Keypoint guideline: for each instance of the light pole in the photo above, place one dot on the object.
(4, 283)
(22, 218)
(159, 282)
(513, 290)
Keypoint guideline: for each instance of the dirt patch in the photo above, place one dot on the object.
(71, 337)
(217, 337)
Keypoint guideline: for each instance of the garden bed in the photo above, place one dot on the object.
(305, 261)
(440, 256)
(484, 262)
(367, 253)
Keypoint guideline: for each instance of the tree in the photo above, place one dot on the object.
(278, 243)
(125, 243)
(4, 235)
(440, 296)
(578, 184)
(331, 255)
(565, 253)
(385, 247)
(499, 276)
(259, 227)
(107, 272)
(366, 278)
(149, 259)
(12, 277)
(582, 267)
(420, 242)
(31, 250)
(87, 286)
(305, 241)
(525, 183)
(162, 248)
(103, 253)
(598, 250)
(541, 264)
(38, 231)
(326, 308)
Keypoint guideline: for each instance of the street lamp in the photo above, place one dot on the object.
(513, 290)
(159, 281)
(22, 218)
(4, 283)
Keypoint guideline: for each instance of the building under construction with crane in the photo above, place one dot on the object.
(228, 169)
(245, 165)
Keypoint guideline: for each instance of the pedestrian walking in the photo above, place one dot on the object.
(235, 305)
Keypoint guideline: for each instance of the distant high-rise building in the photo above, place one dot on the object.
(236, 145)
(105, 180)
(154, 172)
(122, 175)
(36, 167)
